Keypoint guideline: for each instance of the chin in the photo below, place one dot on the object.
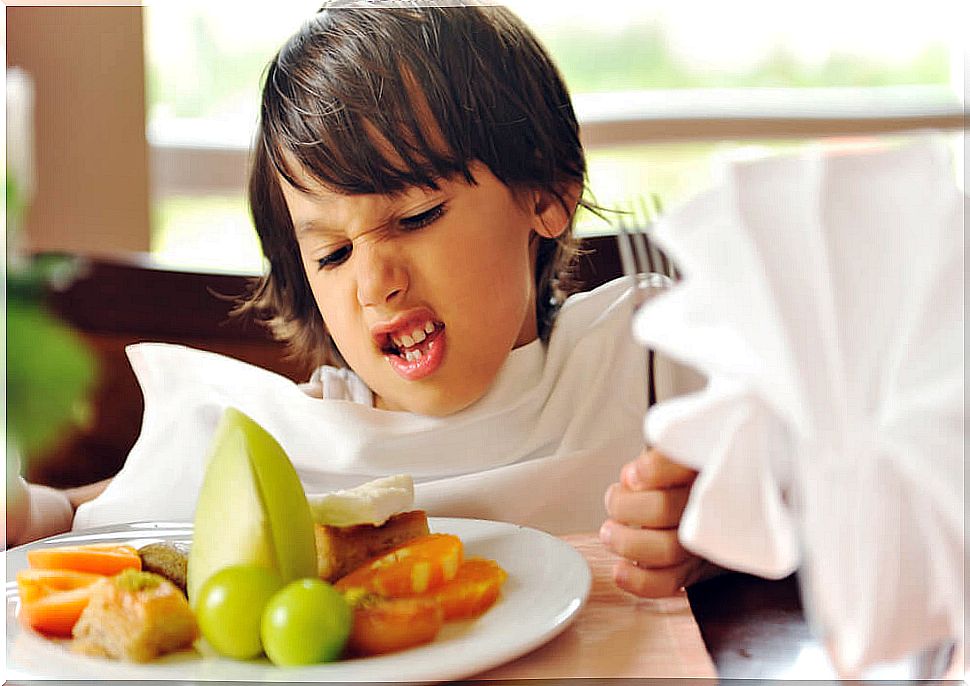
(432, 404)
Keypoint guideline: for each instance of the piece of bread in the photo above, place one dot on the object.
(342, 549)
(135, 616)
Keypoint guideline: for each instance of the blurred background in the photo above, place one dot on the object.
(129, 128)
(167, 95)
(662, 87)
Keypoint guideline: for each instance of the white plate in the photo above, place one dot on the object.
(547, 585)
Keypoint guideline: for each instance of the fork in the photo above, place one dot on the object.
(646, 265)
(639, 256)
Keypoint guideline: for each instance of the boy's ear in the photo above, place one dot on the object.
(554, 214)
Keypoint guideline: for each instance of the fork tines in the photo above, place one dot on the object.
(638, 256)
(634, 252)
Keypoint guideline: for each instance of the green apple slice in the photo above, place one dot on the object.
(251, 507)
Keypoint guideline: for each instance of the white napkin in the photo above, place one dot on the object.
(824, 300)
(539, 449)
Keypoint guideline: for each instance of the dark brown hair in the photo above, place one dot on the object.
(381, 99)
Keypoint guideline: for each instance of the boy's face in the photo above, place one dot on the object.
(426, 292)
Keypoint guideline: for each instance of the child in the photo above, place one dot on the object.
(415, 206)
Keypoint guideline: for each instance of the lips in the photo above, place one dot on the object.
(413, 343)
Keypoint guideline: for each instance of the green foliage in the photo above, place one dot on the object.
(49, 371)
(12, 193)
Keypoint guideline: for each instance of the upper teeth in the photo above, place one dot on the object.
(416, 336)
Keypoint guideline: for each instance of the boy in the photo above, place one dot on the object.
(415, 206)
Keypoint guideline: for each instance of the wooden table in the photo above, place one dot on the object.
(734, 626)
(616, 636)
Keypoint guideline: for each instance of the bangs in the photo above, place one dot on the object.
(359, 122)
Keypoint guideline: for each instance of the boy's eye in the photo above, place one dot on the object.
(334, 258)
(421, 220)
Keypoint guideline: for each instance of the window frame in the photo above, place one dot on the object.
(181, 165)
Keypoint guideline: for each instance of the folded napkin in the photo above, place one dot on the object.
(823, 299)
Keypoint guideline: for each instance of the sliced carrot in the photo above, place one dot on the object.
(419, 566)
(106, 559)
(473, 590)
(57, 613)
(386, 625)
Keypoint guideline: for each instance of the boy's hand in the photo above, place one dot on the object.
(645, 510)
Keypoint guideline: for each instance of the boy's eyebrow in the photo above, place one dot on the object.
(313, 226)
(307, 227)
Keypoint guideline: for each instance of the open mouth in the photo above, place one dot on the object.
(412, 343)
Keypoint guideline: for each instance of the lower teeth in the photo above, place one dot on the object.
(411, 355)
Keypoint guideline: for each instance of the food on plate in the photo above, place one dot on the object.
(397, 600)
(52, 600)
(34, 584)
(373, 502)
(229, 608)
(342, 549)
(101, 558)
(354, 525)
(166, 559)
(402, 598)
(474, 589)
(57, 587)
(134, 616)
(256, 578)
(306, 622)
(251, 508)
(386, 625)
(418, 566)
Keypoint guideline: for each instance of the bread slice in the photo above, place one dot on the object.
(135, 616)
(342, 549)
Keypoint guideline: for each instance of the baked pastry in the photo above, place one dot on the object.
(353, 525)
(342, 549)
(135, 616)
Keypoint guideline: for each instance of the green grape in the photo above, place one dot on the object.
(308, 621)
(229, 608)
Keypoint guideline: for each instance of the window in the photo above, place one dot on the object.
(663, 89)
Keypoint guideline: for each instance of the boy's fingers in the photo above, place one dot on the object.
(657, 509)
(646, 547)
(653, 469)
(653, 583)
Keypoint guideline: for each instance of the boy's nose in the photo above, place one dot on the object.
(381, 277)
